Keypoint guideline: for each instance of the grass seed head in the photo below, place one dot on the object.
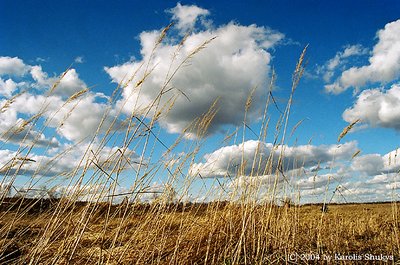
(347, 129)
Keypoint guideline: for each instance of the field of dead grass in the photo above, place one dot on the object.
(215, 233)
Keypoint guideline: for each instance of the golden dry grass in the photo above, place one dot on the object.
(215, 233)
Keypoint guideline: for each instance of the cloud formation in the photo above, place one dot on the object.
(340, 59)
(383, 67)
(259, 158)
(69, 84)
(377, 108)
(228, 68)
(376, 165)
(309, 171)
(65, 161)
(47, 105)
(58, 118)
(187, 15)
(7, 87)
(12, 66)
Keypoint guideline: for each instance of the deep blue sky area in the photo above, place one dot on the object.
(105, 31)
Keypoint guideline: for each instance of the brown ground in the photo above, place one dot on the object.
(61, 232)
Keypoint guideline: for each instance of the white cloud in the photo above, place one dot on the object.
(64, 161)
(227, 69)
(313, 182)
(369, 194)
(377, 165)
(73, 120)
(298, 184)
(371, 177)
(339, 60)
(384, 63)
(334, 88)
(352, 50)
(7, 87)
(28, 118)
(68, 85)
(371, 164)
(254, 181)
(384, 178)
(28, 136)
(391, 159)
(186, 16)
(264, 157)
(79, 59)
(393, 186)
(364, 191)
(12, 66)
(81, 119)
(32, 104)
(377, 108)
(15, 129)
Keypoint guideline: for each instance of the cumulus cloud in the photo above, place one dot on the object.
(69, 84)
(64, 162)
(306, 186)
(384, 63)
(299, 179)
(12, 66)
(313, 182)
(31, 116)
(7, 87)
(352, 50)
(228, 68)
(371, 177)
(18, 130)
(377, 108)
(310, 171)
(370, 164)
(367, 191)
(377, 165)
(339, 60)
(73, 120)
(381, 178)
(28, 136)
(81, 119)
(55, 123)
(187, 15)
(260, 158)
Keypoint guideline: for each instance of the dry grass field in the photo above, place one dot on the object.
(40, 232)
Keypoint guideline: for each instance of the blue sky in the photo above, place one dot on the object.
(352, 72)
